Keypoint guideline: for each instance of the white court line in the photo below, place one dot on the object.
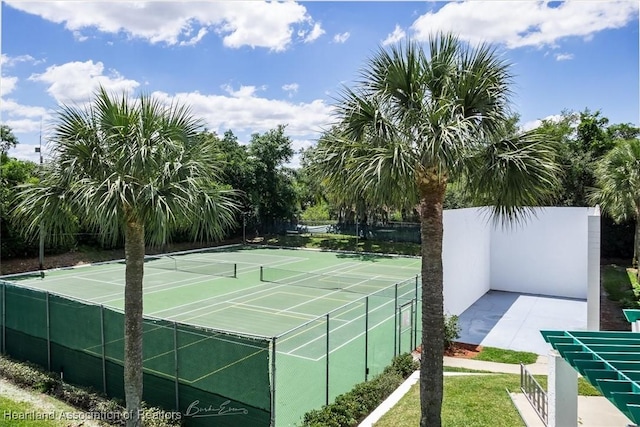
(271, 288)
(330, 293)
(242, 290)
(290, 352)
(172, 285)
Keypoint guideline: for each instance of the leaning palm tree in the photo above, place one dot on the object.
(618, 187)
(417, 120)
(131, 168)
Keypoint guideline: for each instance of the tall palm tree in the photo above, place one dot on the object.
(133, 168)
(618, 182)
(416, 120)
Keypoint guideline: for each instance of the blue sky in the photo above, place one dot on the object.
(249, 66)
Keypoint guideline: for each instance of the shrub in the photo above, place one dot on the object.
(31, 376)
(451, 330)
(352, 407)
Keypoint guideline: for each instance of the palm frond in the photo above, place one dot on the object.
(618, 180)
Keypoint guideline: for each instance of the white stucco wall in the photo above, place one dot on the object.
(547, 255)
(465, 258)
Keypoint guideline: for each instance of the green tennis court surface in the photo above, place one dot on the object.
(313, 323)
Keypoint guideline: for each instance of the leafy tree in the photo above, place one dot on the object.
(132, 167)
(7, 140)
(273, 196)
(618, 192)
(416, 120)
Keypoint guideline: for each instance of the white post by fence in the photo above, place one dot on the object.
(562, 392)
(593, 270)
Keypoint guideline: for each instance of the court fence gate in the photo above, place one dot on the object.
(199, 373)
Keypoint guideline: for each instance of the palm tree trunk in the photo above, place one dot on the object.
(431, 230)
(636, 248)
(134, 255)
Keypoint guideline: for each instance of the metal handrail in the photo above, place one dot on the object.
(534, 393)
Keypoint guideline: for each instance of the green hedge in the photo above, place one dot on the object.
(33, 377)
(351, 408)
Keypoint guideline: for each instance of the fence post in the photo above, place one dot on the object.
(273, 382)
(366, 338)
(327, 367)
(411, 328)
(4, 318)
(415, 316)
(104, 351)
(175, 362)
(395, 322)
(48, 333)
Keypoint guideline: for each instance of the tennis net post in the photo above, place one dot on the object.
(261, 275)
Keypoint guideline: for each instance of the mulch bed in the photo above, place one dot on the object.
(460, 349)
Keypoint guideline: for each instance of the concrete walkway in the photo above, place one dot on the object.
(592, 411)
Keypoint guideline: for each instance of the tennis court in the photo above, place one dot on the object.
(274, 331)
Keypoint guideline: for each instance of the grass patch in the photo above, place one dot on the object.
(492, 354)
(468, 401)
(342, 242)
(621, 285)
(471, 401)
(19, 408)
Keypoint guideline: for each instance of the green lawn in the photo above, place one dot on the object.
(468, 401)
(471, 401)
(11, 412)
(492, 354)
(344, 243)
(621, 285)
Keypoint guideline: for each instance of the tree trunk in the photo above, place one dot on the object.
(134, 255)
(432, 197)
(636, 248)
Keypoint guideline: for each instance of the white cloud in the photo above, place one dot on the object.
(533, 124)
(75, 82)
(315, 32)
(10, 61)
(244, 111)
(256, 24)
(195, 39)
(525, 23)
(564, 56)
(13, 109)
(7, 85)
(291, 88)
(397, 35)
(79, 36)
(341, 38)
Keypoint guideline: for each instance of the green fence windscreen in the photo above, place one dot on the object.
(206, 375)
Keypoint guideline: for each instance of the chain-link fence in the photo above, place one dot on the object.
(186, 368)
(386, 232)
(199, 371)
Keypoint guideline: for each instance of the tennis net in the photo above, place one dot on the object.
(331, 282)
(210, 268)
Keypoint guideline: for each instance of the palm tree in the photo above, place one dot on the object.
(131, 168)
(618, 192)
(417, 120)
